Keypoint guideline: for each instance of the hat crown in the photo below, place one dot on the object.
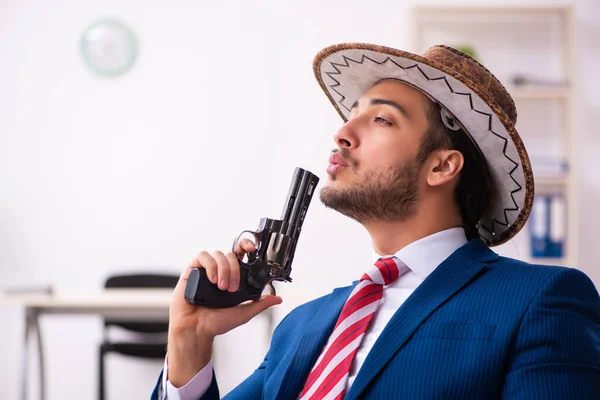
(471, 69)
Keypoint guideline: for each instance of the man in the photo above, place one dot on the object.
(430, 163)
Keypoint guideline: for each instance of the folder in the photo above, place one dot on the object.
(539, 226)
(558, 227)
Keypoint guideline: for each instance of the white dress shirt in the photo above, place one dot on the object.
(422, 257)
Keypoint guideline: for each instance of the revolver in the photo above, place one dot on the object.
(275, 241)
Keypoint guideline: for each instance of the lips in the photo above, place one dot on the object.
(336, 162)
(337, 158)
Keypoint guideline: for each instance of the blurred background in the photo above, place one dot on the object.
(134, 134)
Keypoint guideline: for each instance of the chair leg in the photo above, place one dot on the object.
(101, 394)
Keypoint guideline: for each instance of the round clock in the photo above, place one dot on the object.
(108, 47)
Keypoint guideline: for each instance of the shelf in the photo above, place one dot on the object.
(551, 180)
(539, 92)
(548, 261)
(493, 9)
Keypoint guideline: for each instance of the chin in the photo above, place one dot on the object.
(339, 175)
(336, 180)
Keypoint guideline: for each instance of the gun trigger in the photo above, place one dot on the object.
(272, 289)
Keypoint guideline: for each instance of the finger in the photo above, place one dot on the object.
(206, 261)
(244, 246)
(251, 309)
(202, 260)
(222, 270)
(234, 271)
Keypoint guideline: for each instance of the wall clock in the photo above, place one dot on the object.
(108, 47)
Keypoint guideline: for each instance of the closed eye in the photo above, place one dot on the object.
(382, 121)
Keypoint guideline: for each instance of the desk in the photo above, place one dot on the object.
(126, 304)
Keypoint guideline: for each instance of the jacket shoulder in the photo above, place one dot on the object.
(539, 274)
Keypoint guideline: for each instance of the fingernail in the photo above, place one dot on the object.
(233, 285)
(223, 284)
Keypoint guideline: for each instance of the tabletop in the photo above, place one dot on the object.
(142, 303)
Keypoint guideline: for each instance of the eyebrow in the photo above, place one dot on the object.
(376, 102)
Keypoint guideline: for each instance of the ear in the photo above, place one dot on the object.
(444, 166)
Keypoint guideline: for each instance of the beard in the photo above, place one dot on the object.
(385, 195)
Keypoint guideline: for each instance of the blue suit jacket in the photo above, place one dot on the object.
(479, 327)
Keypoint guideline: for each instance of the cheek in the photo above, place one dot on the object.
(384, 154)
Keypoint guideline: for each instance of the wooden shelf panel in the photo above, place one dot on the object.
(539, 92)
(551, 180)
(494, 9)
(549, 261)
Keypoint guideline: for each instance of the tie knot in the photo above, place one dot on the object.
(384, 272)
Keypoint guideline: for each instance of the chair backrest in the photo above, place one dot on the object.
(140, 281)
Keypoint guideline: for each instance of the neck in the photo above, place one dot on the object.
(388, 237)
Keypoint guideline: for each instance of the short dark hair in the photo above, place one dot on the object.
(474, 191)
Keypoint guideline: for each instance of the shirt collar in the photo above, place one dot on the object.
(424, 255)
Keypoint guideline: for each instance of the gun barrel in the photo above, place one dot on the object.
(292, 194)
(304, 193)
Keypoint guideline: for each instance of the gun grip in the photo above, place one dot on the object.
(199, 291)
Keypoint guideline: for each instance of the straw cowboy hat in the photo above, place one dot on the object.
(471, 98)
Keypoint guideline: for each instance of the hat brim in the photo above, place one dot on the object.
(346, 71)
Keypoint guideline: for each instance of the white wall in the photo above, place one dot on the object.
(194, 144)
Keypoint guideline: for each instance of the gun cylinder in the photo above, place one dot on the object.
(278, 249)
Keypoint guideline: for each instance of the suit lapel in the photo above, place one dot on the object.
(290, 380)
(449, 277)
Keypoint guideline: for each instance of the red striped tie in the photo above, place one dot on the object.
(328, 378)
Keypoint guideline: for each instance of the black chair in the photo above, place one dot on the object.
(152, 334)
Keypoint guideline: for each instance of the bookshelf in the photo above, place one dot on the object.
(532, 51)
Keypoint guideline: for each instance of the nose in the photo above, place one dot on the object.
(346, 136)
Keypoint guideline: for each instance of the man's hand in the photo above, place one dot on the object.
(192, 329)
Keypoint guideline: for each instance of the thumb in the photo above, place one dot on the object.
(252, 309)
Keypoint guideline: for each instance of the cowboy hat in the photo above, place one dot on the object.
(471, 99)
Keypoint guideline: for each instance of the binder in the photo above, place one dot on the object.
(558, 226)
(548, 227)
(540, 226)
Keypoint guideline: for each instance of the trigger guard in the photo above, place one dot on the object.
(272, 289)
(251, 255)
